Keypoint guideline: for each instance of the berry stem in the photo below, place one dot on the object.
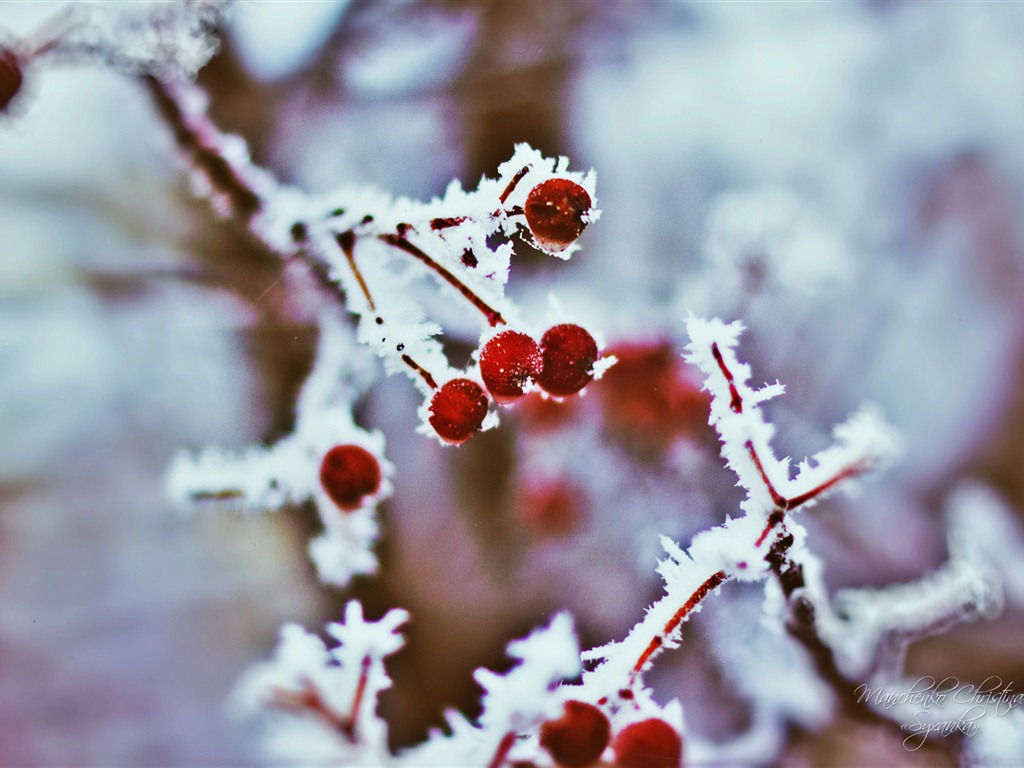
(513, 183)
(504, 747)
(347, 242)
(399, 241)
(310, 699)
(423, 372)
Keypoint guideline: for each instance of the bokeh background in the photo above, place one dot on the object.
(846, 178)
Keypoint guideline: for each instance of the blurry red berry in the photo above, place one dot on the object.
(551, 508)
(569, 353)
(10, 77)
(540, 413)
(348, 474)
(555, 212)
(457, 410)
(578, 737)
(508, 361)
(649, 743)
(647, 399)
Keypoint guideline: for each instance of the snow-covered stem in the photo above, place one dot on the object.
(741, 548)
(348, 237)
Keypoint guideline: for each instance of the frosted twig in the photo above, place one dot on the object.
(350, 237)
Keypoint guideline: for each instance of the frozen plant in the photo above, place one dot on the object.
(375, 250)
(408, 272)
(609, 714)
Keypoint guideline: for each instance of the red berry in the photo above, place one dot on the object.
(648, 744)
(457, 410)
(569, 354)
(578, 737)
(10, 77)
(508, 361)
(555, 211)
(551, 508)
(647, 399)
(348, 474)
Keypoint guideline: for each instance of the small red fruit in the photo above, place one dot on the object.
(10, 77)
(457, 410)
(647, 399)
(555, 212)
(578, 737)
(507, 363)
(569, 353)
(349, 474)
(551, 508)
(649, 743)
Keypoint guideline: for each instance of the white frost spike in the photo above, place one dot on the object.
(863, 443)
(262, 478)
(513, 703)
(321, 704)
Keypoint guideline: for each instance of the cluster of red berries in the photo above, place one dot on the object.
(579, 737)
(561, 364)
(348, 474)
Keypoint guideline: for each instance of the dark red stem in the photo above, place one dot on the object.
(398, 241)
(424, 374)
(513, 183)
(736, 403)
(504, 747)
(782, 504)
(310, 699)
(713, 582)
(347, 243)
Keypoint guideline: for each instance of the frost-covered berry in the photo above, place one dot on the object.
(349, 473)
(556, 212)
(507, 363)
(578, 737)
(649, 743)
(457, 410)
(10, 77)
(569, 353)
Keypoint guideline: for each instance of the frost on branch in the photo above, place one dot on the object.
(748, 548)
(322, 703)
(164, 38)
(296, 469)
(513, 703)
(319, 704)
(863, 443)
(378, 249)
(879, 624)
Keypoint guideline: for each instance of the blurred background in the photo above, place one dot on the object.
(846, 178)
